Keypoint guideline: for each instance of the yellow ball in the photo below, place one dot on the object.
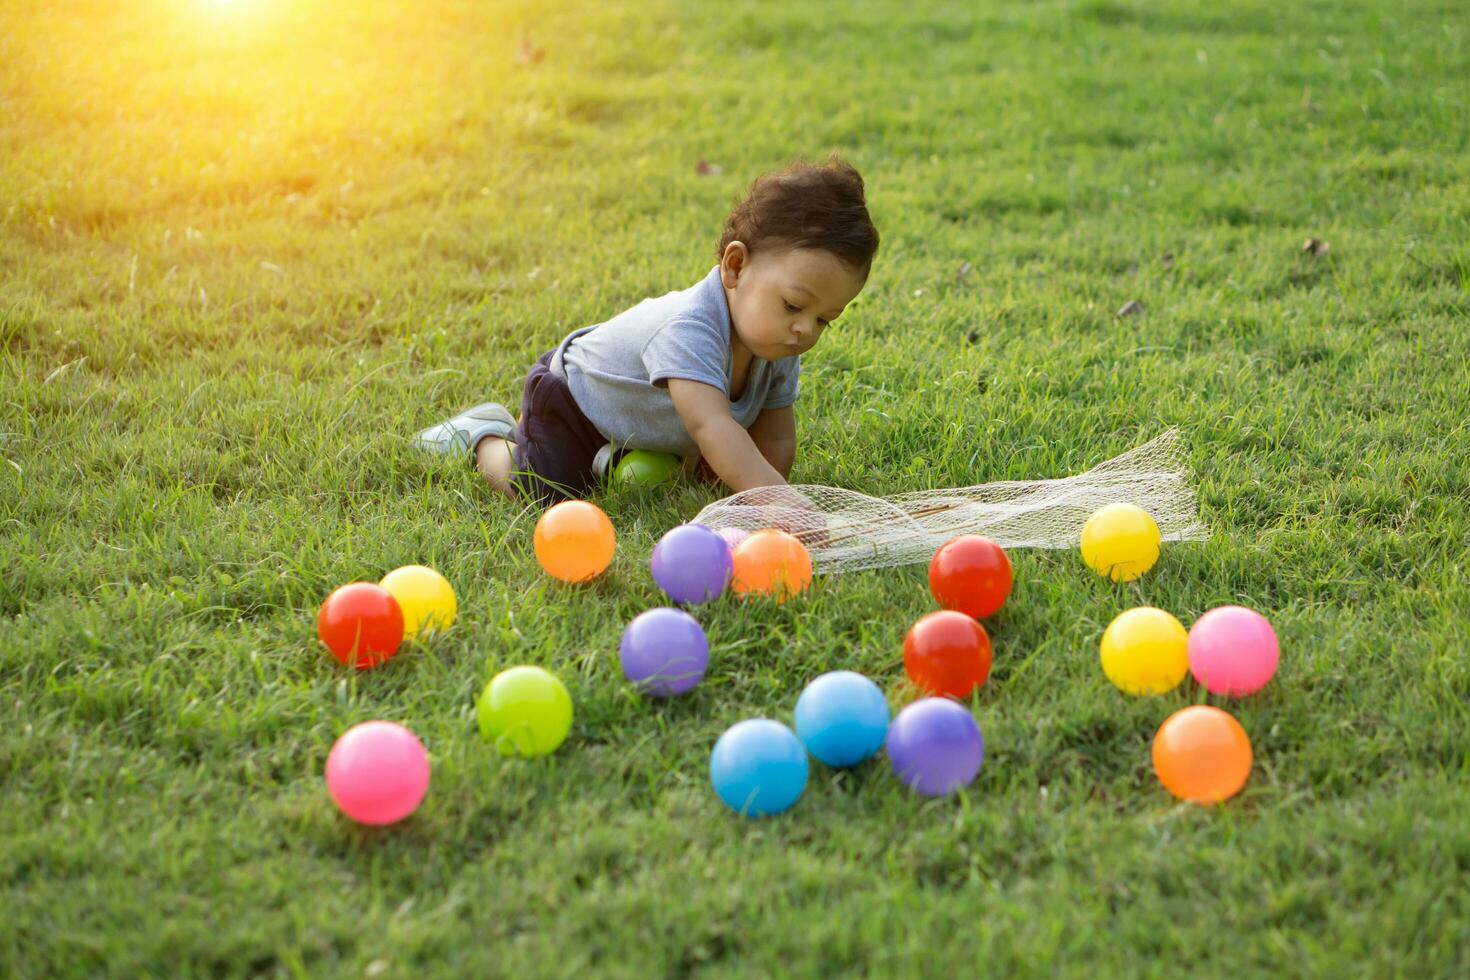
(1120, 541)
(1145, 651)
(425, 596)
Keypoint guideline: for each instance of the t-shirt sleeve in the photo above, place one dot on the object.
(785, 383)
(690, 349)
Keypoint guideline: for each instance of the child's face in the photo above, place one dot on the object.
(781, 299)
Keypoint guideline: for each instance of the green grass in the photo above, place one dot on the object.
(246, 249)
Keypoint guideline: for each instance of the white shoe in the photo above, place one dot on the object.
(463, 433)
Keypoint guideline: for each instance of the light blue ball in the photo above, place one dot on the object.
(758, 767)
(842, 717)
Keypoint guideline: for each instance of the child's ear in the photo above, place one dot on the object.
(732, 263)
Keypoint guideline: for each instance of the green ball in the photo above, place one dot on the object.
(645, 468)
(525, 711)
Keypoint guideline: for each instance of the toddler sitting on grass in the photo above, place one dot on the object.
(708, 373)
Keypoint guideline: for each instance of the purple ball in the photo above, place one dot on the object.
(692, 564)
(935, 746)
(664, 652)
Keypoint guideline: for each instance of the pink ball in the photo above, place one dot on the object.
(733, 536)
(378, 772)
(1233, 650)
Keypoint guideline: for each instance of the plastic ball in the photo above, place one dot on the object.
(664, 652)
(377, 772)
(947, 653)
(525, 711)
(425, 596)
(1202, 754)
(1144, 651)
(972, 575)
(733, 536)
(771, 563)
(645, 468)
(842, 718)
(361, 624)
(1120, 542)
(758, 768)
(574, 541)
(692, 564)
(935, 746)
(1233, 651)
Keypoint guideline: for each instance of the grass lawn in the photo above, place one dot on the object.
(247, 248)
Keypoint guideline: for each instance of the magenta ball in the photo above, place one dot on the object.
(692, 564)
(733, 536)
(378, 772)
(1233, 650)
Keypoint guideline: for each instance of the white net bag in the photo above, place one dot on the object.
(846, 531)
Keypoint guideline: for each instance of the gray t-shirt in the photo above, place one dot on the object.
(618, 371)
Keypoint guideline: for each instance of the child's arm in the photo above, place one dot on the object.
(774, 434)
(728, 449)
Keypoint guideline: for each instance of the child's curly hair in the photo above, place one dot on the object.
(807, 205)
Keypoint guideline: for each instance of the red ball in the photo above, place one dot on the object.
(947, 653)
(361, 624)
(970, 574)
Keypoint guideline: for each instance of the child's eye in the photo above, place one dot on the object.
(792, 309)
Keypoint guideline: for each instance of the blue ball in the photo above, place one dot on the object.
(758, 767)
(842, 717)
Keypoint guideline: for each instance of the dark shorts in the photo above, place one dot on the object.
(555, 443)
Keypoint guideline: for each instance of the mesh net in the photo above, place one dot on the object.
(846, 531)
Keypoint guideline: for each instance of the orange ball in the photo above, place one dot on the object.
(1202, 755)
(575, 541)
(771, 563)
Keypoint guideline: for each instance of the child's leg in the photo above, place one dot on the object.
(495, 459)
(546, 455)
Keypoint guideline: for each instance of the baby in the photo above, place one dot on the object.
(709, 373)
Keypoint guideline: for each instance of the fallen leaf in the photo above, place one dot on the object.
(529, 54)
(69, 365)
(706, 169)
(1315, 247)
(1131, 308)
